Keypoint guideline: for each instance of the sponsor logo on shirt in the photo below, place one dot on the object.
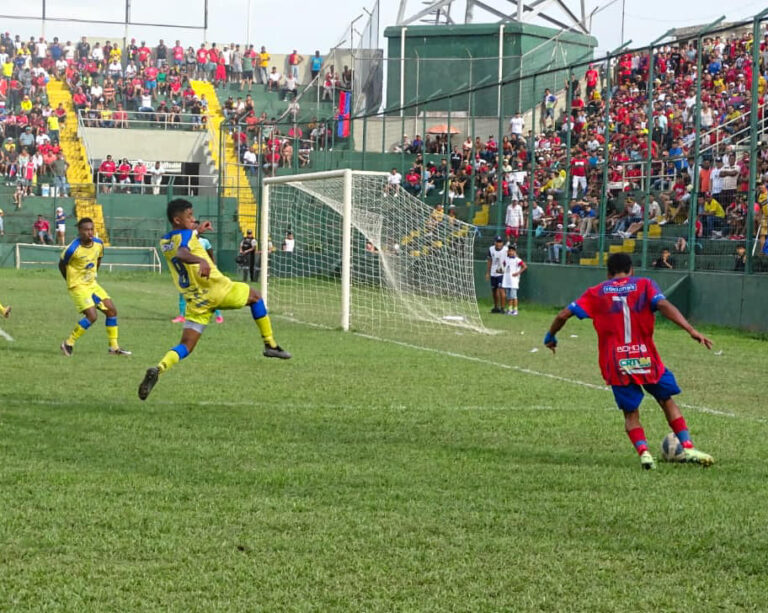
(620, 289)
(635, 365)
(632, 349)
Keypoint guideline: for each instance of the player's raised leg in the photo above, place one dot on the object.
(189, 338)
(261, 317)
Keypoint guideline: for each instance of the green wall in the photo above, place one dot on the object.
(441, 58)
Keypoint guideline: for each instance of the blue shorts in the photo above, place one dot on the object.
(150, 85)
(496, 282)
(511, 293)
(629, 397)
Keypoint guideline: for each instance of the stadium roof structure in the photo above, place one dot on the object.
(688, 31)
(564, 14)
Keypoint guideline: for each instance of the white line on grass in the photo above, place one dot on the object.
(6, 336)
(53, 402)
(521, 369)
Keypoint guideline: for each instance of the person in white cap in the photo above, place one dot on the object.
(61, 227)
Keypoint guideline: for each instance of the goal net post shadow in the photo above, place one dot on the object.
(346, 249)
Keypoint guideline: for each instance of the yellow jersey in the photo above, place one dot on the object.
(264, 59)
(197, 290)
(714, 207)
(82, 262)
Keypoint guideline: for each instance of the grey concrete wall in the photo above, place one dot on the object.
(147, 145)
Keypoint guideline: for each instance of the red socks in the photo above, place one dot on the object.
(680, 429)
(637, 436)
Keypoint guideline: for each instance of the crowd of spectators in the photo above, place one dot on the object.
(622, 143)
(113, 87)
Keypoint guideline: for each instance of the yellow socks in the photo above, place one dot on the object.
(259, 313)
(79, 330)
(112, 332)
(173, 357)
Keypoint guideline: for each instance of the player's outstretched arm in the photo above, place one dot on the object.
(63, 269)
(186, 256)
(671, 312)
(204, 227)
(557, 324)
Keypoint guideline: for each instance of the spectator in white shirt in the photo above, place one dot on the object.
(146, 103)
(156, 173)
(130, 70)
(290, 87)
(250, 160)
(510, 283)
(289, 244)
(273, 82)
(516, 125)
(97, 53)
(393, 183)
(515, 219)
(97, 93)
(115, 70)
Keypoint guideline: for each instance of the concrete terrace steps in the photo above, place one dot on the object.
(79, 173)
(236, 184)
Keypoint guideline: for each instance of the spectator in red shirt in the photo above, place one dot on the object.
(591, 77)
(144, 53)
(124, 175)
(579, 164)
(139, 172)
(202, 61)
(42, 231)
(107, 174)
(177, 55)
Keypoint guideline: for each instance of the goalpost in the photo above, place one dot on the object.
(32, 255)
(338, 250)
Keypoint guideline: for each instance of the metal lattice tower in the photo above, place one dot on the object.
(563, 14)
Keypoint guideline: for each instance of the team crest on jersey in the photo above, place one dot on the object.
(166, 247)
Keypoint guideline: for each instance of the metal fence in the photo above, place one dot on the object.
(448, 124)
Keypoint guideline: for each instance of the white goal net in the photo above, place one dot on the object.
(31, 255)
(345, 253)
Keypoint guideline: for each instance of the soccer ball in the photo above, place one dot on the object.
(671, 449)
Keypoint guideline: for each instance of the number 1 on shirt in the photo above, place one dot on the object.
(627, 318)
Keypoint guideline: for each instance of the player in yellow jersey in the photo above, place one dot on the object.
(5, 311)
(204, 288)
(79, 265)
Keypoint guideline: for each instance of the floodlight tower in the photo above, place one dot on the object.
(564, 14)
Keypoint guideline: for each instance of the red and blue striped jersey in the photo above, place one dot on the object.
(622, 311)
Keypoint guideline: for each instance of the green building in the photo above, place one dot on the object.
(440, 59)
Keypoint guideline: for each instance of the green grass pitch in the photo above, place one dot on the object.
(364, 475)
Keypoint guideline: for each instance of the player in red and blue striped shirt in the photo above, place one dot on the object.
(622, 310)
